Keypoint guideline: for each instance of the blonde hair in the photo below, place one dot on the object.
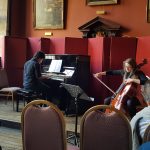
(131, 62)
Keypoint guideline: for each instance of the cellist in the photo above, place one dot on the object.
(130, 74)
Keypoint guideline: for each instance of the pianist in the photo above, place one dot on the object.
(33, 81)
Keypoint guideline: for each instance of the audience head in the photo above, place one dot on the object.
(146, 92)
(39, 56)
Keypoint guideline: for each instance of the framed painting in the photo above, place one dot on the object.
(48, 14)
(101, 2)
(148, 11)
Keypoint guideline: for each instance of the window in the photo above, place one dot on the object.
(3, 17)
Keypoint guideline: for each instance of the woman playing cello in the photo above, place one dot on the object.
(131, 74)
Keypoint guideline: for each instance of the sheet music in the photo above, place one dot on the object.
(55, 65)
(68, 72)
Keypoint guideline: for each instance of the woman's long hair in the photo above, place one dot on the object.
(133, 64)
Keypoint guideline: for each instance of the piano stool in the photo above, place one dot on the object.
(26, 96)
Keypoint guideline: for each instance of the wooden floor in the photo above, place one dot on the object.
(10, 139)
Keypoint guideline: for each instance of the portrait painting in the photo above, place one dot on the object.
(48, 14)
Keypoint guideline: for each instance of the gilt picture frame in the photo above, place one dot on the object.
(101, 2)
(48, 14)
(148, 11)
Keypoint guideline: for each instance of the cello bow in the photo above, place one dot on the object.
(104, 85)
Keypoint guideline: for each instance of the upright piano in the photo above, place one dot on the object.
(77, 65)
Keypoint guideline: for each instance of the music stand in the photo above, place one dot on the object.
(76, 92)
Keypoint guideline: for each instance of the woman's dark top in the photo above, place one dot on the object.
(141, 76)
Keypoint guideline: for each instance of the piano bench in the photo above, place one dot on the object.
(26, 96)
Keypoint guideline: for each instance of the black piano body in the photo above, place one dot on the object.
(80, 64)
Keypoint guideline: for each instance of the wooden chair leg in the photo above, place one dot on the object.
(7, 97)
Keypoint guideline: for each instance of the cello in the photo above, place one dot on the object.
(124, 92)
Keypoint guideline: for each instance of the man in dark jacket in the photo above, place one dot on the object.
(33, 81)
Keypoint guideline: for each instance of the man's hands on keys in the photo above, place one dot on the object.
(46, 76)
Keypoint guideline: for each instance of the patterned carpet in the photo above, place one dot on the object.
(10, 139)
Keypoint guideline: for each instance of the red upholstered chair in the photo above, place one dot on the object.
(105, 131)
(43, 127)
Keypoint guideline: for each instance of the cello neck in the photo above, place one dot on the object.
(120, 87)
